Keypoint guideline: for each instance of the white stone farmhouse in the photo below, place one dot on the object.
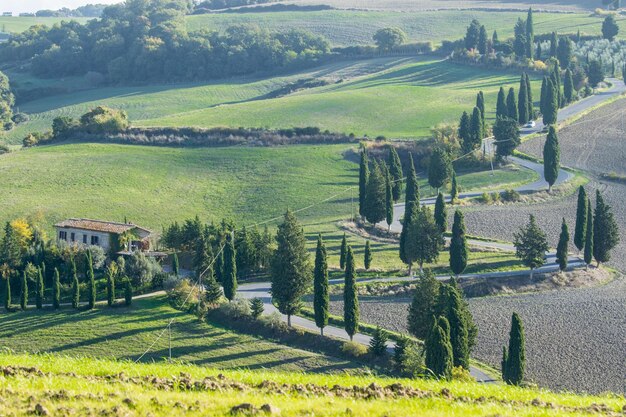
(111, 236)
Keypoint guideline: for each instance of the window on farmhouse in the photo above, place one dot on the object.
(95, 240)
(63, 235)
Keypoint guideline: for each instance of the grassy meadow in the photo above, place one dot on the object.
(107, 387)
(17, 24)
(394, 97)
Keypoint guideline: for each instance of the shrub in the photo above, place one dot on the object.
(159, 279)
(485, 198)
(171, 282)
(104, 120)
(354, 349)
(238, 308)
(495, 197)
(20, 118)
(256, 307)
(412, 361)
(142, 269)
(184, 296)
(461, 374)
(378, 343)
(511, 196)
(4, 149)
(128, 292)
(274, 322)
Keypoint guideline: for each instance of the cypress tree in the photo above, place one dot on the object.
(320, 286)
(476, 132)
(439, 168)
(350, 297)
(7, 293)
(364, 173)
(388, 199)
(24, 292)
(408, 253)
(39, 296)
(56, 290)
(91, 282)
(367, 261)
(213, 291)
(516, 355)
(439, 350)
(458, 245)
(175, 264)
(501, 109)
(589, 240)
(523, 116)
(426, 236)
(378, 342)
(503, 363)
(529, 97)
(230, 268)
(530, 34)
(542, 99)
(482, 41)
(441, 217)
(553, 45)
(581, 219)
(128, 292)
(605, 231)
(511, 105)
(551, 105)
(395, 169)
(561, 249)
(75, 287)
(412, 195)
(256, 307)
(458, 332)
(551, 158)
(465, 136)
(454, 189)
(480, 103)
(494, 38)
(110, 288)
(342, 252)
(291, 268)
(568, 87)
(538, 53)
(219, 267)
(375, 209)
(420, 319)
(556, 81)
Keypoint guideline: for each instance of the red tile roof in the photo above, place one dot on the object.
(98, 225)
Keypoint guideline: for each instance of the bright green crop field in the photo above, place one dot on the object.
(394, 97)
(19, 24)
(105, 387)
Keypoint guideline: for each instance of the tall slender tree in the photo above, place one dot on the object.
(501, 109)
(568, 87)
(551, 158)
(56, 289)
(91, 282)
(408, 248)
(75, 286)
(458, 245)
(342, 252)
(553, 44)
(529, 97)
(320, 286)
(511, 105)
(422, 308)
(427, 235)
(564, 52)
(24, 291)
(111, 286)
(581, 219)
(555, 76)
(507, 136)
(7, 292)
(542, 98)
(483, 41)
(454, 189)
(395, 169)
(522, 109)
(39, 295)
(589, 240)
(441, 217)
(291, 270)
(551, 105)
(364, 173)
(375, 195)
(388, 198)
(562, 247)
(439, 168)
(605, 230)
(229, 274)
(530, 34)
(412, 196)
(464, 132)
(128, 292)
(350, 297)
(439, 356)
(175, 264)
(459, 337)
(480, 103)
(516, 354)
(476, 132)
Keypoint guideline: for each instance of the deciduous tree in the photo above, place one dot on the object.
(531, 245)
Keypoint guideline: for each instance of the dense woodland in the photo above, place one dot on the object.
(141, 41)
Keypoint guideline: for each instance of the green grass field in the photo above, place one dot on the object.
(394, 97)
(346, 28)
(98, 387)
(126, 333)
(20, 24)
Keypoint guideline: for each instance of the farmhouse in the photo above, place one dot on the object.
(111, 236)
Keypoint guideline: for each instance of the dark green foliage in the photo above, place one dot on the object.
(399, 349)
(458, 245)
(531, 245)
(482, 41)
(320, 286)
(581, 219)
(511, 105)
(388, 198)
(595, 73)
(507, 137)
(128, 292)
(350, 297)
(523, 116)
(219, 267)
(459, 338)
(561, 249)
(342, 252)
(291, 269)
(364, 173)
(529, 98)
(568, 87)
(212, 291)
(439, 168)
(441, 216)
(605, 230)
(110, 288)
(494, 38)
(388, 38)
(395, 169)
(11, 252)
(520, 43)
(553, 44)
(589, 240)
(464, 131)
(367, 261)
(421, 310)
(75, 286)
(555, 76)
(7, 293)
(564, 52)
(503, 362)
(256, 307)
(476, 132)
(423, 240)
(542, 100)
(24, 291)
(472, 35)
(175, 264)
(551, 157)
(454, 189)
(480, 103)
(375, 196)
(229, 276)
(516, 354)
(610, 29)
(378, 342)
(408, 247)
(530, 34)
(39, 295)
(91, 282)
(412, 196)
(551, 103)
(501, 109)
(439, 359)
